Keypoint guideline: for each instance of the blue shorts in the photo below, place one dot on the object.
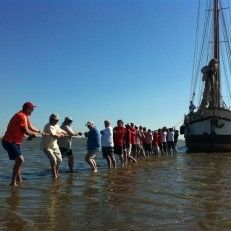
(12, 149)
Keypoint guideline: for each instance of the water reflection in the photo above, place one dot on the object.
(120, 186)
(91, 199)
(204, 179)
(54, 212)
(11, 218)
(120, 189)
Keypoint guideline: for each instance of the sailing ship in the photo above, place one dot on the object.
(207, 128)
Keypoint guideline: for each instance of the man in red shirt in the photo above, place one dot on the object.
(133, 139)
(118, 138)
(155, 142)
(18, 126)
(128, 144)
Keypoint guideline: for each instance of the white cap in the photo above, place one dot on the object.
(68, 118)
(54, 117)
(91, 123)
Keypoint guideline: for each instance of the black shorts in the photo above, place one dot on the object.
(148, 147)
(160, 146)
(106, 151)
(134, 147)
(118, 150)
(170, 144)
(66, 151)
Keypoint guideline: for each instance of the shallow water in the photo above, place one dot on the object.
(187, 191)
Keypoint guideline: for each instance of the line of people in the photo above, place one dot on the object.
(128, 141)
(133, 142)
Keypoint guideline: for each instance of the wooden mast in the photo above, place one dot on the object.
(216, 49)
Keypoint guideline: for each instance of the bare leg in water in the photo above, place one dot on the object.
(54, 171)
(91, 161)
(121, 159)
(112, 160)
(16, 175)
(56, 163)
(108, 162)
(70, 162)
(129, 156)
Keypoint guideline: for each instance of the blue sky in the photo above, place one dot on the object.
(97, 60)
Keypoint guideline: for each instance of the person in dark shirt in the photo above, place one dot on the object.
(93, 145)
(176, 136)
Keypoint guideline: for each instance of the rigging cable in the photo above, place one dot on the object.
(200, 54)
(226, 36)
(192, 93)
(226, 77)
(177, 123)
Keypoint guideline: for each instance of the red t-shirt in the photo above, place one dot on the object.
(133, 136)
(15, 132)
(118, 136)
(159, 138)
(155, 141)
(127, 136)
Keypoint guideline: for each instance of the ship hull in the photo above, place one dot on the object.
(207, 132)
(208, 143)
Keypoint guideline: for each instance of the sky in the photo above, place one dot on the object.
(97, 59)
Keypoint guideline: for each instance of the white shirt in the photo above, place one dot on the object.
(66, 141)
(164, 135)
(107, 137)
(48, 141)
(170, 136)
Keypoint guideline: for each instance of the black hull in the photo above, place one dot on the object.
(208, 131)
(208, 143)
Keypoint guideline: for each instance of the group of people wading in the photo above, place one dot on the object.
(128, 141)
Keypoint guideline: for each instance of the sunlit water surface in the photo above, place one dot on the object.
(186, 192)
